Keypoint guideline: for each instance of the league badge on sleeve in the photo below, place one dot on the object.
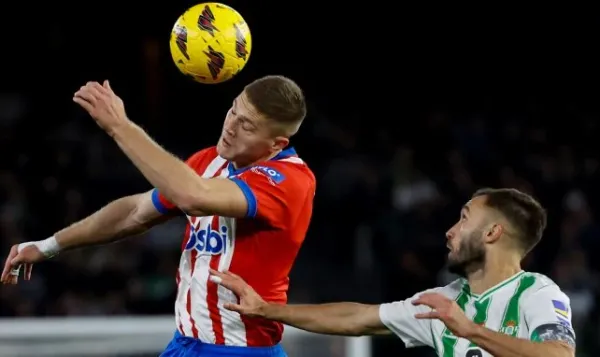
(562, 312)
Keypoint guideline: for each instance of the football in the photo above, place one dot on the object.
(210, 42)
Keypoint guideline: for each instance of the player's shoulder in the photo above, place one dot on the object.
(542, 285)
(452, 290)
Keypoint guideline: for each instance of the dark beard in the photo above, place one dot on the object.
(470, 256)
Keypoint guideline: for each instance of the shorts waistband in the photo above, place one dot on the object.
(209, 348)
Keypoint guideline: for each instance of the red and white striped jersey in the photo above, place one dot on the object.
(260, 248)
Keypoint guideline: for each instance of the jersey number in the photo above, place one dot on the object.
(474, 353)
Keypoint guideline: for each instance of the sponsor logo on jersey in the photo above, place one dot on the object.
(208, 241)
(275, 176)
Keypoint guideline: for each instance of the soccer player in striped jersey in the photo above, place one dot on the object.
(248, 203)
(495, 309)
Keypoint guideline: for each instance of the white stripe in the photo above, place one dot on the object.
(214, 166)
(199, 293)
(234, 329)
(197, 283)
(180, 302)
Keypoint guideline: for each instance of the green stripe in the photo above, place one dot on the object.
(448, 338)
(481, 313)
(510, 322)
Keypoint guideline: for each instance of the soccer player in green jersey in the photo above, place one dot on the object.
(495, 309)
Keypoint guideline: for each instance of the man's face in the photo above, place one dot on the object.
(466, 238)
(246, 136)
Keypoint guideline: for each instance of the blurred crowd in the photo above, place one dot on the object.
(386, 195)
(392, 203)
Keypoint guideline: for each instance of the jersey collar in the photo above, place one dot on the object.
(494, 288)
(285, 153)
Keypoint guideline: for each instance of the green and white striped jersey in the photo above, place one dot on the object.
(527, 305)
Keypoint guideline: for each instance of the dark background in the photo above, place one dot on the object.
(411, 110)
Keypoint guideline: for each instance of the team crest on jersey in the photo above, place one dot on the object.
(510, 328)
(274, 176)
(208, 241)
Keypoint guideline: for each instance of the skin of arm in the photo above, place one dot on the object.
(122, 218)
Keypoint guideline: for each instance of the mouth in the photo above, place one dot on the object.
(226, 142)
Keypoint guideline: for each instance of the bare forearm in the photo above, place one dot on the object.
(113, 222)
(501, 345)
(344, 318)
(171, 176)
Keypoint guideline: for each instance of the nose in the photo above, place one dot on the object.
(229, 129)
(449, 234)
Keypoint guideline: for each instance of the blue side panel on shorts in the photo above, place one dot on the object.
(181, 346)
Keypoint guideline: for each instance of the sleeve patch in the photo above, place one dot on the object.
(272, 174)
(554, 332)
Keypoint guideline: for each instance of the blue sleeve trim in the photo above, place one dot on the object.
(250, 197)
(157, 204)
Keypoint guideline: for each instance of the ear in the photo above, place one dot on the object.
(493, 233)
(280, 143)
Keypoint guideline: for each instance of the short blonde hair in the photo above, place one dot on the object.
(280, 100)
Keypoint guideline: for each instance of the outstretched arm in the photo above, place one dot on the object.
(119, 219)
(343, 318)
(175, 180)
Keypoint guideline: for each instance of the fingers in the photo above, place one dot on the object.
(89, 95)
(427, 315)
(228, 280)
(433, 300)
(84, 104)
(232, 307)
(6, 270)
(27, 272)
(9, 267)
(11, 276)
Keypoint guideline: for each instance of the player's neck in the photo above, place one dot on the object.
(240, 165)
(493, 272)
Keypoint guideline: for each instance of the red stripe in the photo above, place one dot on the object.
(178, 282)
(194, 255)
(212, 296)
(184, 241)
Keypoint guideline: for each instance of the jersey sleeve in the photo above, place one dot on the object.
(161, 203)
(547, 314)
(399, 317)
(269, 191)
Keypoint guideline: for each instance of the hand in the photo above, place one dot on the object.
(102, 104)
(16, 259)
(447, 311)
(250, 303)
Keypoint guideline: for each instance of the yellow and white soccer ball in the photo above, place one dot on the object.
(210, 42)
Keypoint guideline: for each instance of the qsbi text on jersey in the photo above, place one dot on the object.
(208, 240)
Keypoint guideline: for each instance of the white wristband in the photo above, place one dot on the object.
(48, 247)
